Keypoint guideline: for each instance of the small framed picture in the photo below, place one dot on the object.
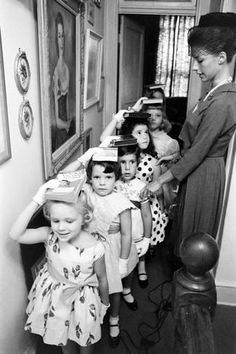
(25, 120)
(93, 68)
(22, 72)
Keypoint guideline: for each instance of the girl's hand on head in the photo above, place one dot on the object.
(138, 105)
(39, 197)
(119, 118)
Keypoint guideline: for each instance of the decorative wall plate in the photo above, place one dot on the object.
(25, 119)
(22, 72)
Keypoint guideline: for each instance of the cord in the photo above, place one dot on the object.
(162, 311)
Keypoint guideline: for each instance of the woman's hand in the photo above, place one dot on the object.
(150, 189)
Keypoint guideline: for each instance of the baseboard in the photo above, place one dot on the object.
(226, 295)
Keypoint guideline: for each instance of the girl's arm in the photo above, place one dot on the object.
(126, 235)
(116, 122)
(100, 270)
(19, 231)
(147, 218)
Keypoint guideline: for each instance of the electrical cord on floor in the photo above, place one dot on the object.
(162, 311)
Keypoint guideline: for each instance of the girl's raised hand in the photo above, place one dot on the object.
(138, 105)
(39, 197)
(119, 118)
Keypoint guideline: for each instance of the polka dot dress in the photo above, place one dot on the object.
(159, 219)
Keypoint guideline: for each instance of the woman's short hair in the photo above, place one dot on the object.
(213, 40)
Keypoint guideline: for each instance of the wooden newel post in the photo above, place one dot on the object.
(194, 296)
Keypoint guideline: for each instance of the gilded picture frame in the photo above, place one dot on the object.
(61, 50)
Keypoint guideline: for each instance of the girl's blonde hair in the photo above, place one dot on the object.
(81, 204)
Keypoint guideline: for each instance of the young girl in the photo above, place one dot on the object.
(147, 171)
(112, 224)
(69, 296)
(131, 186)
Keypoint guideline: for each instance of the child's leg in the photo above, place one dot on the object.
(86, 350)
(127, 295)
(114, 329)
(70, 348)
(142, 274)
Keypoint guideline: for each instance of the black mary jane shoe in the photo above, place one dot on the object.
(131, 305)
(114, 341)
(142, 283)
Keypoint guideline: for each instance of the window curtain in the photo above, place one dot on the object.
(173, 61)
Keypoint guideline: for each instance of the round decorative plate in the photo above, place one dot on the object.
(22, 72)
(25, 120)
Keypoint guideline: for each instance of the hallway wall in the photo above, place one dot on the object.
(23, 173)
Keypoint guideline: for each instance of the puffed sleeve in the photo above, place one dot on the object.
(217, 119)
(99, 251)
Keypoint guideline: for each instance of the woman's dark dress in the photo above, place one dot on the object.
(201, 170)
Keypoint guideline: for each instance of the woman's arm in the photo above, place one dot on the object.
(155, 186)
(19, 231)
(100, 270)
(126, 235)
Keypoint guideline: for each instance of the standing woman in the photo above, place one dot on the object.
(61, 80)
(206, 133)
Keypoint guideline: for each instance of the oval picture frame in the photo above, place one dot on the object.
(22, 72)
(25, 120)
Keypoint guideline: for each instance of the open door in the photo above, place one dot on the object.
(130, 62)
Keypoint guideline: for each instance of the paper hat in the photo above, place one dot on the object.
(106, 154)
(218, 19)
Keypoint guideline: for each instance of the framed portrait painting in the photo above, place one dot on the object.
(5, 147)
(61, 43)
(93, 68)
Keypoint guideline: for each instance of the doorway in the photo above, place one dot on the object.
(131, 83)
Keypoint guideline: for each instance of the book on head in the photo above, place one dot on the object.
(138, 115)
(71, 184)
(153, 101)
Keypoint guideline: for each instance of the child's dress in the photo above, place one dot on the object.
(64, 302)
(159, 218)
(106, 226)
(132, 190)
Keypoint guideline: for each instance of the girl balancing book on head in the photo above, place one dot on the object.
(69, 297)
(111, 223)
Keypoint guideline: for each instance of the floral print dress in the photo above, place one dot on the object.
(64, 302)
(159, 218)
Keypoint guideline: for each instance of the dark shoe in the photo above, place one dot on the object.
(131, 305)
(142, 283)
(114, 341)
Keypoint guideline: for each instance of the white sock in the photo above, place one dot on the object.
(114, 330)
(128, 298)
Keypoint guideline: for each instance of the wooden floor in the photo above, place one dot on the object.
(150, 329)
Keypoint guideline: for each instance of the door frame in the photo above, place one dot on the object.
(111, 20)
